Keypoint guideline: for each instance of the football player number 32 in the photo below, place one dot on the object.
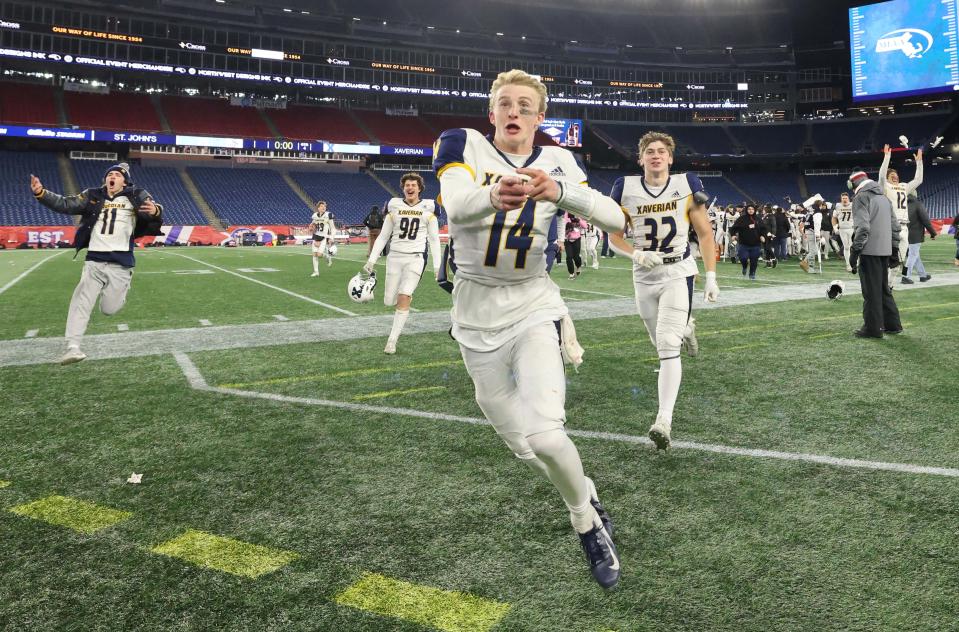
(653, 235)
(517, 236)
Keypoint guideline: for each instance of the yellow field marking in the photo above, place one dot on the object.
(4, 484)
(74, 514)
(402, 391)
(225, 554)
(440, 609)
(946, 318)
(338, 374)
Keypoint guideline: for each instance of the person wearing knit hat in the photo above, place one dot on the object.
(111, 217)
(875, 239)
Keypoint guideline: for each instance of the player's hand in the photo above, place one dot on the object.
(508, 194)
(149, 207)
(647, 260)
(711, 292)
(541, 187)
(933, 236)
(886, 149)
(368, 268)
(919, 156)
(35, 185)
(854, 260)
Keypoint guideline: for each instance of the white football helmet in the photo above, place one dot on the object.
(360, 289)
(332, 250)
(835, 290)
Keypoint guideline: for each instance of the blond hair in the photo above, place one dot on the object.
(651, 137)
(517, 77)
(415, 177)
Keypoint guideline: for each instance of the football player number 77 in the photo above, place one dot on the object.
(517, 238)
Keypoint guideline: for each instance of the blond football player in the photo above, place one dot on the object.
(323, 229)
(501, 194)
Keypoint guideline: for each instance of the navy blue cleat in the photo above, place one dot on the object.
(601, 555)
(598, 506)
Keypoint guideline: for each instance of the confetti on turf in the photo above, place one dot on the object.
(441, 609)
(78, 515)
(135, 478)
(225, 554)
(4, 484)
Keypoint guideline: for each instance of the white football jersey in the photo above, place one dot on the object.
(323, 226)
(660, 222)
(409, 225)
(114, 226)
(843, 214)
(500, 262)
(898, 194)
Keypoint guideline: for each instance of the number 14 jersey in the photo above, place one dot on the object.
(659, 220)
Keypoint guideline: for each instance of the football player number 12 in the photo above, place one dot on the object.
(517, 236)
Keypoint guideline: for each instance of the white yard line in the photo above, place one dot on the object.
(123, 327)
(573, 289)
(28, 271)
(280, 317)
(205, 323)
(272, 287)
(15, 352)
(198, 382)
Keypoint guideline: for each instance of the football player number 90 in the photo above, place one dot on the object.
(409, 227)
(517, 238)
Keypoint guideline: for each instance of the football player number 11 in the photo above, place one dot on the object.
(517, 236)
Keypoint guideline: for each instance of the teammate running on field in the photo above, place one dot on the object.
(661, 208)
(111, 217)
(501, 194)
(323, 230)
(410, 225)
(842, 221)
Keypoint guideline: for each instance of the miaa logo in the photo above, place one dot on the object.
(912, 42)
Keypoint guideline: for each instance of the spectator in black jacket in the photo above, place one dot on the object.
(751, 235)
(918, 225)
(374, 222)
(783, 232)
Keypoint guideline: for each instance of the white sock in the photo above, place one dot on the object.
(316, 265)
(399, 321)
(584, 518)
(670, 377)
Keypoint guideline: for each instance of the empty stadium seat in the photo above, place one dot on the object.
(28, 104)
(118, 111)
(17, 204)
(349, 196)
(250, 196)
(213, 117)
(302, 122)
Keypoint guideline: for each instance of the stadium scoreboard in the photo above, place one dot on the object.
(903, 48)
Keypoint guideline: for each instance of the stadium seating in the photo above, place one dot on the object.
(828, 186)
(918, 129)
(28, 104)
(213, 117)
(118, 111)
(770, 138)
(722, 191)
(17, 205)
(699, 139)
(250, 196)
(163, 183)
(940, 190)
(840, 137)
(396, 130)
(767, 187)
(440, 123)
(316, 123)
(349, 196)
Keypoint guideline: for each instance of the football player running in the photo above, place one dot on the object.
(409, 225)
(322, 228)
(507, 313)
(661, 208)
(842, 222)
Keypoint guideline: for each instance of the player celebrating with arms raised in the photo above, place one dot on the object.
(410, 223)
(507, 313)
(661, 209)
